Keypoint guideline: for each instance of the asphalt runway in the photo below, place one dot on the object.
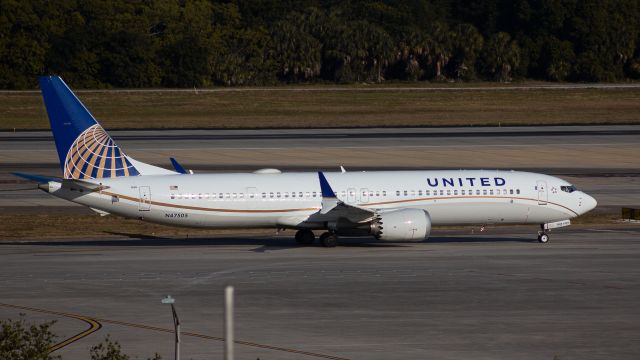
(498, 295)
(601, 160)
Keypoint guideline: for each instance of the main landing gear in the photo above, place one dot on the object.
(305, 237)
(328, 239)
(543, 236)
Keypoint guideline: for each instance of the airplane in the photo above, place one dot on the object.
(387, 205)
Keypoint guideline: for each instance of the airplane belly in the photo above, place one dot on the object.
(477, 213)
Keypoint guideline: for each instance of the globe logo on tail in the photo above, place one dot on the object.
(95, 155)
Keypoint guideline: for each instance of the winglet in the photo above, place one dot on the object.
(177, 166)
(327, 191)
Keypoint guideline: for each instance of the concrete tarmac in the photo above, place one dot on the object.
(458, 296)
(497, 294)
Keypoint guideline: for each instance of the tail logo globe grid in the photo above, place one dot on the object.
(95, 155)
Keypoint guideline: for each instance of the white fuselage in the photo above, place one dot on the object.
(287, 200)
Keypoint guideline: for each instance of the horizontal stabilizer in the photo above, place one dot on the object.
(37, 178)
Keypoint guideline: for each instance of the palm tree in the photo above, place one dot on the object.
(501, 55)
(440, 46)
(296, 52)
(467, 43)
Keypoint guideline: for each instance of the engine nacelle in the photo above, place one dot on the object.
(403, 224)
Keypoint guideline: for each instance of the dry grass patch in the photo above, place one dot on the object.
(19, 227)
(336, 107)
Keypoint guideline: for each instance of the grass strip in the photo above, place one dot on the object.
(336, 107)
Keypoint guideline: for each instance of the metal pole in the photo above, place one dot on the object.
(176, 325)
(228, 323)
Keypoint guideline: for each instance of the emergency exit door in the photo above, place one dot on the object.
(145, 198)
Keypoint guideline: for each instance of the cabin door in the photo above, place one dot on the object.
(542, 192)
(145, 198)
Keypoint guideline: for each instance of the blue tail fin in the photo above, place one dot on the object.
(85, 149)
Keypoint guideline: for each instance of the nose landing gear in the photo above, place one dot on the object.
(543, 236)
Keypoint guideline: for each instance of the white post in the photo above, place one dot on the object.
(176, 324)
(228, 323)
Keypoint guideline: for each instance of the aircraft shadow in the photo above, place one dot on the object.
(473, 239)
(264, 243)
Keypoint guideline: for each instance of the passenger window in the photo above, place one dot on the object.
(419, 192)
(491, 192)
(517, 191)
(384, 193)
(478, 192)
(448, 192)
(455, 192)
(307, 194)
(427, 192)
(278, 194)
(300, 194)
(233, 195)
(441, 192)
(173, 196)
(511, 191)
(286, 194)
(241, 195)
(484, 192)
(397, 192)
(271, 195)
(314, 194)
(462, 192)
(406, 193)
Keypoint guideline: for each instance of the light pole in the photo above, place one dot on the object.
(176, 324)
(228, 323)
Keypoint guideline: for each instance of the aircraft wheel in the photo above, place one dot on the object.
(328, 239)
(305, 237)
(543, 238)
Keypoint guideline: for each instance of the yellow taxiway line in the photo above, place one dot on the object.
(95, 325)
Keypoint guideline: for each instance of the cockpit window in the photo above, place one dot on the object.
(568, 189)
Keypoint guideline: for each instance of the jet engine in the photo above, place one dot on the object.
(402, 224)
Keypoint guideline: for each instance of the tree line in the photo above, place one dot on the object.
(201, 43)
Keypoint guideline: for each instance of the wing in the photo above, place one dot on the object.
(334, 209)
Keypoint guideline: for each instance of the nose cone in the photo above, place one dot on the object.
(587, 204)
